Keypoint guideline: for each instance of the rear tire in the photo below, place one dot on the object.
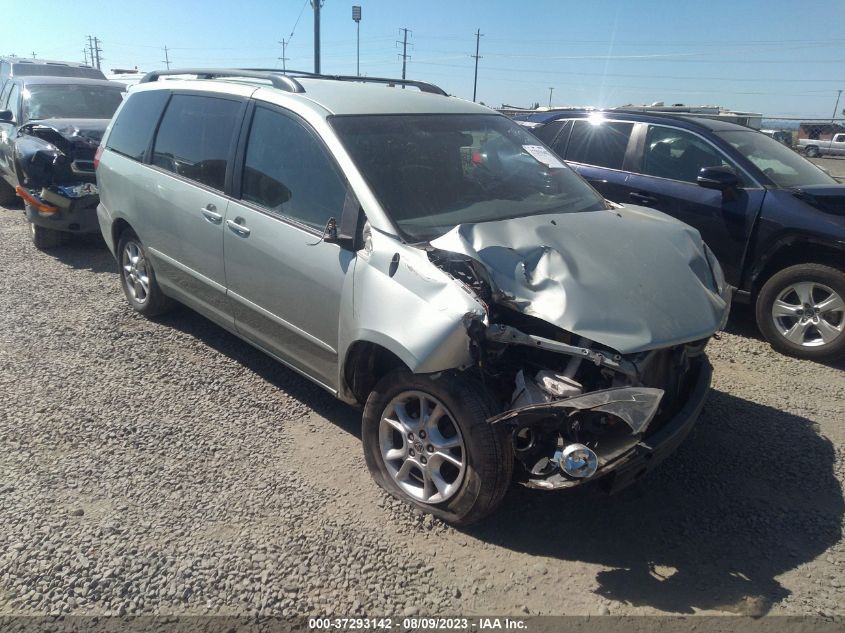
(44, 238)
(812, 151)
(137, 277)
(463, 462)
(800, 311)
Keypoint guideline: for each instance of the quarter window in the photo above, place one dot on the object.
(286, 170)
(600, 143)
(195, 138)
(679, 155)
(135, 123)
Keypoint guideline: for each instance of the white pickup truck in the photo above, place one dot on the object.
(819, 147)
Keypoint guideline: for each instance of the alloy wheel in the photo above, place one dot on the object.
(809, 314)
(422, 447)
(135, 273)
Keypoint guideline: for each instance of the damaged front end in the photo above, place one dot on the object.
(54, 160)
(597, 375)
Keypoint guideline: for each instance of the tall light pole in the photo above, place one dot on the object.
(551, 90)
(356, 15)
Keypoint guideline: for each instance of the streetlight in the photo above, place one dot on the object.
(356, 15)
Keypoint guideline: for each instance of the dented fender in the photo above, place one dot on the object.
(408, 306)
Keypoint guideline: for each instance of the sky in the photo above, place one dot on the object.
(781, 58)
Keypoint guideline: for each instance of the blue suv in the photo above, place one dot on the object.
(775, 221)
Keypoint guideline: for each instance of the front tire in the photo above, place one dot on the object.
(44, 238)
(427, 442)
(138, 279)
(7, 193)
(801, 311)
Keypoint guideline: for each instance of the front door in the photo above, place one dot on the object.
(285, 283)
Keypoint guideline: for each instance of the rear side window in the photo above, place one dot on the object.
(601, 143)
(133, 129)
(678, 155)
(287, 171)
(195, 138)
(549, 132)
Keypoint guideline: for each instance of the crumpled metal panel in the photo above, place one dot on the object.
(630, 278)
(403, 303)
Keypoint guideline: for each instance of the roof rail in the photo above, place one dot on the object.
(423, 86)
(277, 78)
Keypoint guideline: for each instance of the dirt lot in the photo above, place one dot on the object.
(166, 467)
(835, 165)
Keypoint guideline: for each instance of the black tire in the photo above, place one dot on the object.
(776, 285)
(7, 193)
(488, 456)
(812, 151)
(44, 238)
(153, 302)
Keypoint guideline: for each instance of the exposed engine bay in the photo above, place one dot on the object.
(573, 407)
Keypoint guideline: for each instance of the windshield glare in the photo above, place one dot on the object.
(433, 172)
(781, 164)
(70, 101)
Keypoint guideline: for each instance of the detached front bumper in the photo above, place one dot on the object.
(52, 210)
(620, 458)
(653, 449)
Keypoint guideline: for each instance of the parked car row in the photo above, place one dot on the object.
(775, 221)
(430, 261)
(52, 117)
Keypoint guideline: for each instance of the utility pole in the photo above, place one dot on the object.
(551, 90)
(317, 4)
(85, 56)
(91, 49)
(284, 57)
(96, 50)
(33, 55)
(356, 15)
(404, 54)
(166, 58)
(478, 35)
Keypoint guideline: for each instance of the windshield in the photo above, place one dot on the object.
(781, 164)
(70, 101)
(433, 172)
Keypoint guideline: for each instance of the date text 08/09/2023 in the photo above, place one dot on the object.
(418, 623)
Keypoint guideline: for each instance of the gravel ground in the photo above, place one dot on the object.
(167, 468)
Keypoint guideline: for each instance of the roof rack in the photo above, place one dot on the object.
(277, 78)
(286, 79)
(423, 86)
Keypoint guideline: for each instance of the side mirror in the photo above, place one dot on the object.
(6, 116)
(719, 178)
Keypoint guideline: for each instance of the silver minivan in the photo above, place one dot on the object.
(424, 258)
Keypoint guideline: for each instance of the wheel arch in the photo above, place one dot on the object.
(795, 249)
(366, 362)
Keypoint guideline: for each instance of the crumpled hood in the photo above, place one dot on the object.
(88, 131)
(630, 278)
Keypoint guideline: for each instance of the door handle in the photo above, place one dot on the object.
(210, 213)
(642, 198)
(238, 228)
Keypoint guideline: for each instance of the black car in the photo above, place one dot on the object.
(775, 221)
(50, 128)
